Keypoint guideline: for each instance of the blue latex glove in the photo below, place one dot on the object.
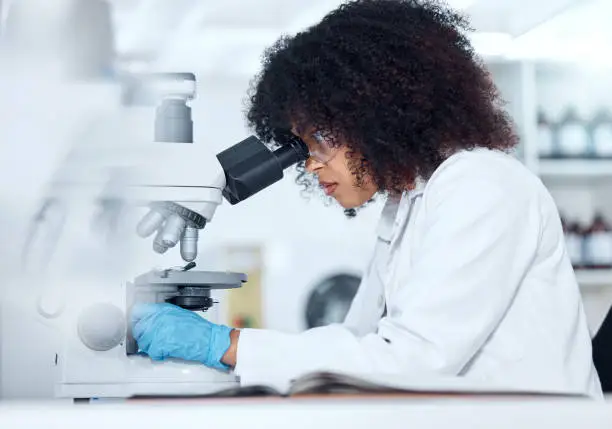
(168, 331)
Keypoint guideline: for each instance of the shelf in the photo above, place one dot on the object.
(594, 278)
(581, 168)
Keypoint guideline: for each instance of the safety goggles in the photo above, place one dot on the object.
(325, 151)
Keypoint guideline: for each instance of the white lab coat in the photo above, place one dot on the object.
(472, 270)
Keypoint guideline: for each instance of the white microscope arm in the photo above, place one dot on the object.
(184, 184)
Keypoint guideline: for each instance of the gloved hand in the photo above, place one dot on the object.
(168, 331)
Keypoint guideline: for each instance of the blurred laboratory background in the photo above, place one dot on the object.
(67, 82)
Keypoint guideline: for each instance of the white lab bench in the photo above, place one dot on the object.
(319, 412)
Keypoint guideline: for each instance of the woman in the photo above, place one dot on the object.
(470, 275)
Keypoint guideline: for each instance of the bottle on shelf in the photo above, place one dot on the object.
(574, 240)
(546, 142)
(573, 139)
(598, 244)
(601, 129)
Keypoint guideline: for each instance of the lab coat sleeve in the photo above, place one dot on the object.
(480, 238)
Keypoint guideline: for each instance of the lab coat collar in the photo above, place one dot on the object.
(387, 217)
(390, 211)
(417, 191)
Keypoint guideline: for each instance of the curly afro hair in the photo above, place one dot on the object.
(397, 82)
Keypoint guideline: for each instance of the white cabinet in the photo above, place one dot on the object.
(581, 186)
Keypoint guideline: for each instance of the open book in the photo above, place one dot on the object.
(320, 383)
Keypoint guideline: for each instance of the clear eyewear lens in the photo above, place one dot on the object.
(324, 152)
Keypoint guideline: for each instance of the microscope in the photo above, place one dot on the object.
(181, 184)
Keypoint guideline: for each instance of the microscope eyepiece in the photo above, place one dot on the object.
(250, 166)
(291, 153)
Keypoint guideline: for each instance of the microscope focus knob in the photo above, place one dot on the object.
(101, 327)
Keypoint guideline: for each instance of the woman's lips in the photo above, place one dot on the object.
(329, 188)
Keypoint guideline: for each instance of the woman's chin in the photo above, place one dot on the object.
(348, 203)
(351, 200)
